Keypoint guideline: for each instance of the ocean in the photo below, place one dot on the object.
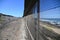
(51, 20)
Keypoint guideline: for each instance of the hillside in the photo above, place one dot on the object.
(6, 18)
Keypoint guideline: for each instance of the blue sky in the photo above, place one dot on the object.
(12, 7)
(53, 13)
(50, 8)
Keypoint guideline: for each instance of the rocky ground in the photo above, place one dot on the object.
(50, 31)
(13, 31)
(26, 28)
(17, 30)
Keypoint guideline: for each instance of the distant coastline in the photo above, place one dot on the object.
(54, 21)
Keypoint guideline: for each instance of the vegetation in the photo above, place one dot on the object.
(1, 20)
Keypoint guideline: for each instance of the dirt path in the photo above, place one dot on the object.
(14, 31)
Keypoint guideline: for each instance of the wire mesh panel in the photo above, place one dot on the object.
(50, 19)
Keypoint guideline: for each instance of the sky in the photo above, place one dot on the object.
(12, 7)
(49, 8)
